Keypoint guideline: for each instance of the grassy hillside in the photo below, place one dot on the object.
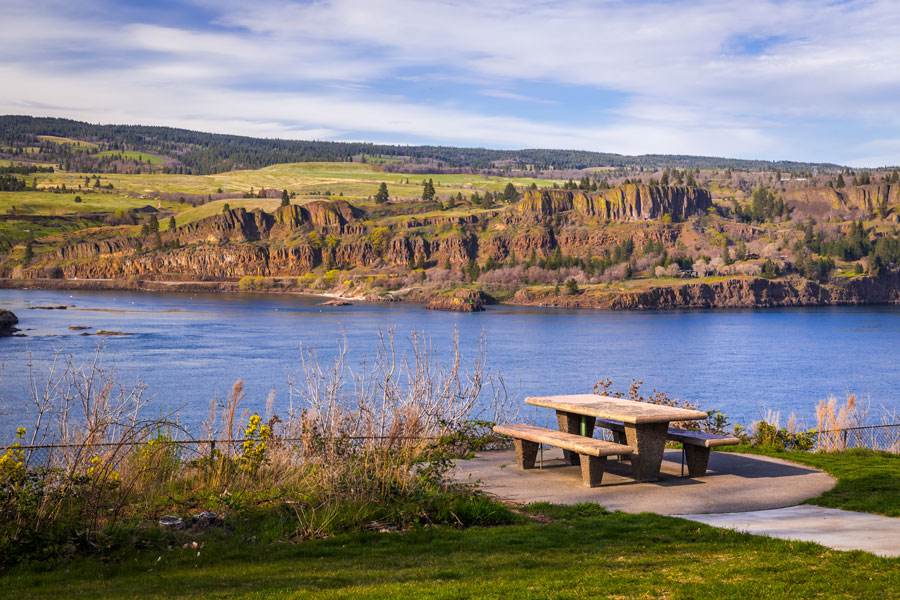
(46, 203)
(134, 155)
(64, 140)
(352, 180)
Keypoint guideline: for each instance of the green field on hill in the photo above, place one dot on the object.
(64, 140)
(47, 203)
(351, 181)
(147, 157)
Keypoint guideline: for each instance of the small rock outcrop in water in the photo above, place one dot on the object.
(461, 300)
(337, 302)
(7, 322)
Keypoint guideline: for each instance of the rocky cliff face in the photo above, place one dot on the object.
(744, 292)
(863, 198)
(630, 202)
(239, 225)
(235, 225)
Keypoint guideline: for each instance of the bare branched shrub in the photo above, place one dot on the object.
(444, 275)
(715, 423)
(509, 277)
(614, 273)
(358, 441)
(745, 268)
(88, 424)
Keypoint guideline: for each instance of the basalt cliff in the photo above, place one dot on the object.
(614, 244)
(295, 239)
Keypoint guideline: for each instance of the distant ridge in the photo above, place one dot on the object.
(205, 153)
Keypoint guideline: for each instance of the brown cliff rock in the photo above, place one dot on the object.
(738, 292)
(629, 202)
(817, 201)
(329, 213)
(235, 225)
(85, 250)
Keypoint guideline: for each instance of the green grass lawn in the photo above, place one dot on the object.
(579, 551)
(580, 554)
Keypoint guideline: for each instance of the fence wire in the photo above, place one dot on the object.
(874, 437)
(188, 451)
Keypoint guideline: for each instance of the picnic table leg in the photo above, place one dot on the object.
(619, 438)
(576, 425)
(648, 441)
(526, 452)
(697, 458)
(592, 470)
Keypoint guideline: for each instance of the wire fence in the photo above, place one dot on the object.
(190, 450)
(874, 437)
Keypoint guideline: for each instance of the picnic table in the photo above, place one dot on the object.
(646, 425)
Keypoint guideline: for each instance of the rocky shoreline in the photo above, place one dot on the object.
(735, 292)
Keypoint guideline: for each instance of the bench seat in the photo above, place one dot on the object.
(697, 444)
(592, 452)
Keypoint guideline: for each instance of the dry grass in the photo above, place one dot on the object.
(368, 438)
(833, 417)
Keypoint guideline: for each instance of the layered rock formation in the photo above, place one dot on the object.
(864, 198)
(631, 202)
(740, 292)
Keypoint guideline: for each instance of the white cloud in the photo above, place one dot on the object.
(289, 69)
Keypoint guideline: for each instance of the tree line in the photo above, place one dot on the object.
(208, 153)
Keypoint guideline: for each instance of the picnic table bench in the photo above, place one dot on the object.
(697, 444)
(645, 425)
(591, 452)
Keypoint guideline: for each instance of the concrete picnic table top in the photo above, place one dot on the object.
(619, 409)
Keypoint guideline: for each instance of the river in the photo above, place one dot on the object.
(190, 348)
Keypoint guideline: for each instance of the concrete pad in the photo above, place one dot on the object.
(838, 529)
(733, 483)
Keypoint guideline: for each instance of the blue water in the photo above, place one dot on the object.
(189, 349)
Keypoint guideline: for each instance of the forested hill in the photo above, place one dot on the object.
(187, 151)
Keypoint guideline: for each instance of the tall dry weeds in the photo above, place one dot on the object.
(362, 436)
(836, 422)
(364, 430)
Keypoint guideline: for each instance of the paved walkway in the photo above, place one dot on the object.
(750, 493)
(733, 483)
(838, 529)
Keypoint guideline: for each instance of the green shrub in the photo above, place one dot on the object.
(782, 438)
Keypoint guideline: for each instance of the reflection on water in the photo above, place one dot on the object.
(191, 348)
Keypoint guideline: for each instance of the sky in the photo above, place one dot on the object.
(786, 80)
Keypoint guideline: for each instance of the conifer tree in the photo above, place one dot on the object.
(382, 196)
